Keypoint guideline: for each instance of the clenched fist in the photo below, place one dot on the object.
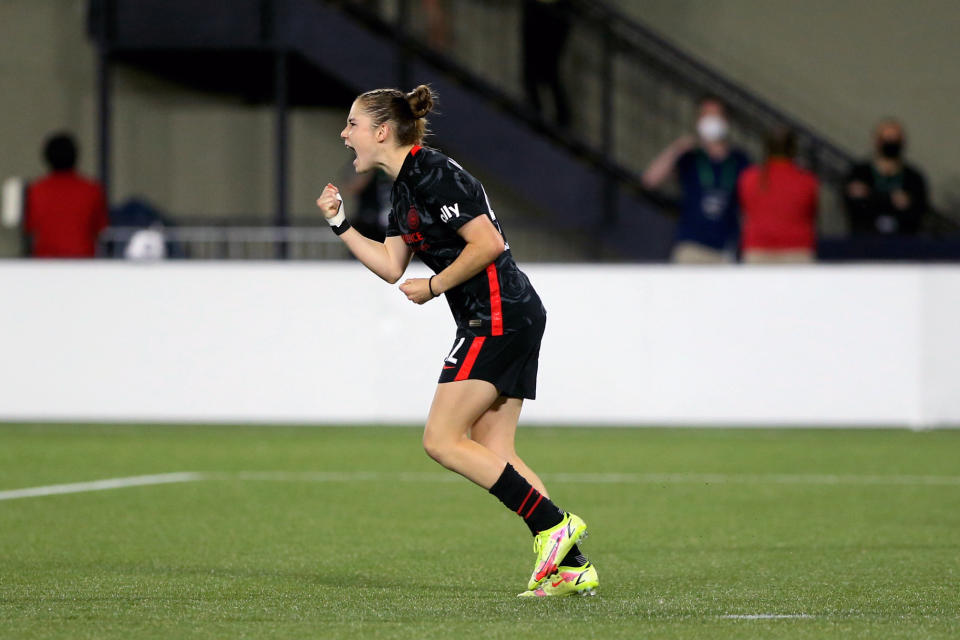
(329, 201)
(417, 290)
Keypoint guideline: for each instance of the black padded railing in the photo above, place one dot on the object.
(631, 91)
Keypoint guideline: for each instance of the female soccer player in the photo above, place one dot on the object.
(441, 213)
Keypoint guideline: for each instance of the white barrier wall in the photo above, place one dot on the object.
(329, 342)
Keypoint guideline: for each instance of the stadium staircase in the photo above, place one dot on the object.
(634, 91)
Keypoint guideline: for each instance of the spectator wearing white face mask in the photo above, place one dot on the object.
(708, 168)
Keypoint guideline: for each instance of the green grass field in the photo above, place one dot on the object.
(355, 533)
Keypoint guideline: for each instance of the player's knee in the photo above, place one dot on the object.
(437, 447)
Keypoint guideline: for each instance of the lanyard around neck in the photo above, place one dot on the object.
(886, 183)
(728, 173)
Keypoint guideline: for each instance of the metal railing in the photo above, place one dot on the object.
(631, 94)
(230, 243)
(631, 91)
(307, 243)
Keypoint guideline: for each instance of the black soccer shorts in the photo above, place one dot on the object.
(509, 362)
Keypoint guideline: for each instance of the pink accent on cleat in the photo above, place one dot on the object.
(550, 564)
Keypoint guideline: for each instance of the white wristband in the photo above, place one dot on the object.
(338, 219)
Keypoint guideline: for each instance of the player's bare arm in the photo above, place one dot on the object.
(387, 259)
(484, 245)
(385, 129)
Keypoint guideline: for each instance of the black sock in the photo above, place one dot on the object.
(573, 558)
(515, 492)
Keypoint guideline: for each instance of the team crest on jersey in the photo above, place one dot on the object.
(413, 219)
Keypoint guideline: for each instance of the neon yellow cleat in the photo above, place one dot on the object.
(551, 545)
(567, 581)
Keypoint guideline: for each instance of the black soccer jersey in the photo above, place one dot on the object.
(433, 197)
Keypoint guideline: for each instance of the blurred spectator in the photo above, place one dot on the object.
(885, 195)
(779, 204)
(546, 26)
(65, 211)
(436, 15)
(372, 192)
(146, 244)
(438, 24)
(707, 168)
(137, 212)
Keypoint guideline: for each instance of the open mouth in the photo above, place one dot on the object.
(353, 151)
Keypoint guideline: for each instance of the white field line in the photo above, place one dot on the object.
(341, 476)
(768, 616)
(442, 476)
(100, 485)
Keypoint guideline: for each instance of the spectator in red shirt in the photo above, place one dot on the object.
(65, 211)
(779, 204)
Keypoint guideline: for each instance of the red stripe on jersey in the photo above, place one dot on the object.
(471, 357)
(496, 310)
(414, 150)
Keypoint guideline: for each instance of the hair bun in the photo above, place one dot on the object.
(420, 101)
